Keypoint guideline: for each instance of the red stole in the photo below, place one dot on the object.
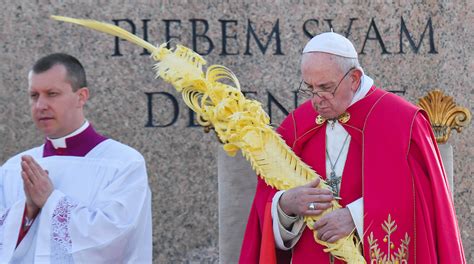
(388, 184)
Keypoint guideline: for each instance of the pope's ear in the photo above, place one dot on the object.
(83, 94)
(356, 76)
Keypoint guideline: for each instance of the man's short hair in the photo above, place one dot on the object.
(76, 74)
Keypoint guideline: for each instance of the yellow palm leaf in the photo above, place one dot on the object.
(240, 123)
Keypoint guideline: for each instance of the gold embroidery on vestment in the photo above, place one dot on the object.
(400, 256)
(343, 118)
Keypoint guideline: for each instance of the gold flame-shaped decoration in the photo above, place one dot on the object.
(444, 114)
(240, 123)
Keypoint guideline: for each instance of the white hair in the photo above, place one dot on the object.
(346, 63)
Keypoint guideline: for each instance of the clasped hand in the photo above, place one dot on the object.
(296, 201)
(330, 227)
(36, 183)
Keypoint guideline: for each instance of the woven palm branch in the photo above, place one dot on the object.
(240, 123)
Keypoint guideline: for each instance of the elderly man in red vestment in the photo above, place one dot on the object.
(378, 154)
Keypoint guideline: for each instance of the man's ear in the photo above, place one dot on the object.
(83, 94)
(356, 77)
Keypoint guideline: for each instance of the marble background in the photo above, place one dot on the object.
(182, 159)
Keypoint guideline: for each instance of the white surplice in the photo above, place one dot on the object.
(99, 211)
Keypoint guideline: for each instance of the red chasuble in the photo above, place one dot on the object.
(394, 163)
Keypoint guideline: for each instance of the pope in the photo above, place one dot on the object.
(378, 154)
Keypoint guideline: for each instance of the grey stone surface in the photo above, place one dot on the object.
(446, 151)
(236, 189)
(182, 160)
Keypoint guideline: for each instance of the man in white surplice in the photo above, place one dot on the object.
(79, 197)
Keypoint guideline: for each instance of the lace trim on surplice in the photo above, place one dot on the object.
(61, 243)
(3, 216)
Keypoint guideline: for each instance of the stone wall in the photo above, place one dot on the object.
(409, 47)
